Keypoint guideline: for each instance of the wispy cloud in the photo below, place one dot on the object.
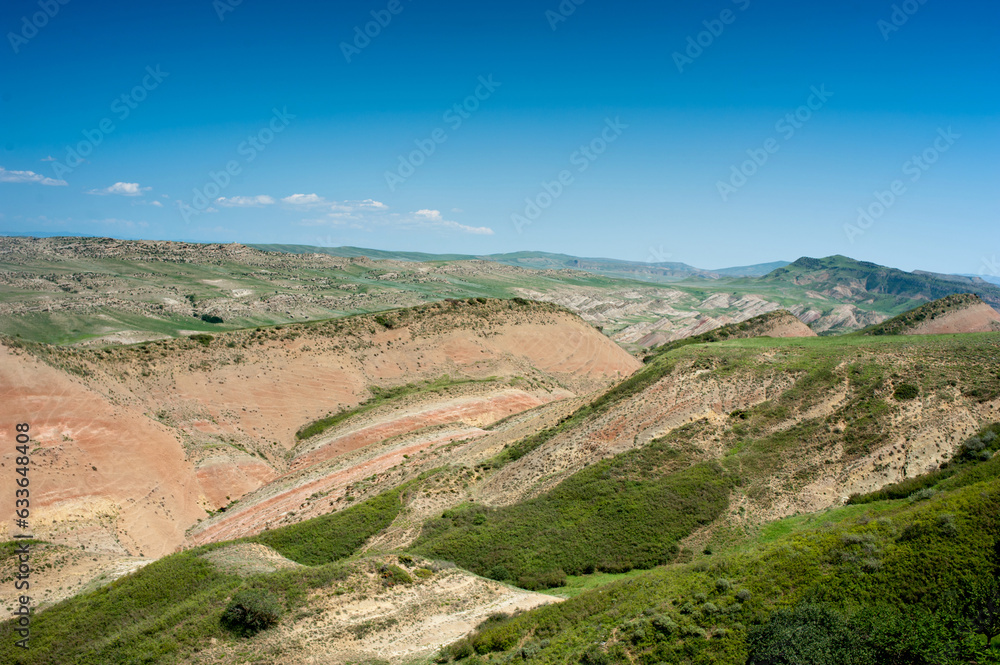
(434, 219)
(304, 200)
(245, 201)
(50, 158)
(370, 214)
(29, 176)
(122, 189)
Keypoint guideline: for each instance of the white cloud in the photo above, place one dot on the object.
(304, 200)
(245, 201)
(122, 189)
(157, 204)
(432, 215)
(356, 206)
(50, 158)
(29, 176)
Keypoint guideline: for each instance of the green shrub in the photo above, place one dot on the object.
(498, 573)
(461, 649)
(392, 575)
(664, 625)
(906, 391)
(202, 339)
(545, 580)
(596, 657)
(923, 495)
(251, 611)
(496, 638)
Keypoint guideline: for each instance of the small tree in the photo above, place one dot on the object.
(984, 610)
(251, 611)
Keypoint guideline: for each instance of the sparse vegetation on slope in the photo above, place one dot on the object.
(175, 605)
(907, 321)
(953, 474)
(758, 326)
(379, 397)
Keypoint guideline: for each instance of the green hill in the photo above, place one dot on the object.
(865, 281)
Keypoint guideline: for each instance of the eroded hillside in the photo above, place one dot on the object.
(696, 450)
(134, 445)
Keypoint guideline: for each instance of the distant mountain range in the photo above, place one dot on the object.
(664, 271)
(834, 276)
(864, 282)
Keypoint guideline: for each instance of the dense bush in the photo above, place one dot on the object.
(820, 635)
(805, 635)
(337, 535)
(906, 391)
(617, 515)
(251, 611)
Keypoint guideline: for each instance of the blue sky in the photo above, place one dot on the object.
(716, 133)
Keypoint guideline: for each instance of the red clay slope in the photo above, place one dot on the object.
(133, 444)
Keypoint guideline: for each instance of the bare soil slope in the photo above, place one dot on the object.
(974, 318)
(958, 313)
(132, 445)
(362, 618)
